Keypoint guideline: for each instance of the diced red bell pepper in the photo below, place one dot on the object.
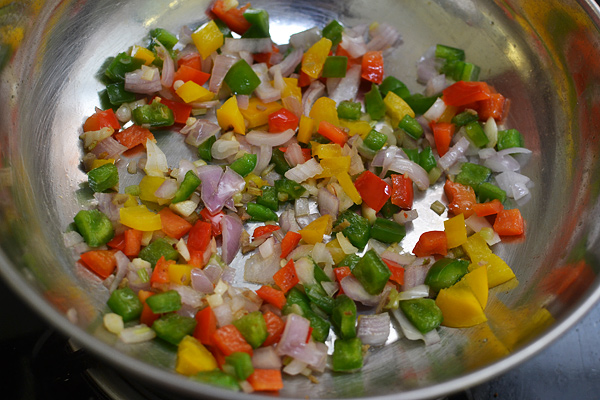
(430, 243)
(372, 67)
(397, 271)
(118, 242)
(462, 93)
(133, 136)
(102, 119)
(233, 18)
(186, 73)
(214, 219)
(333, 133)
(272, 296)
(461, 197)
(181, 111)
(172, 224)
(196, 258)
(192, 60)
(289, 243)
(275, 326)
(199, 236)
(351, 61)
(133, 242)
(263, 230)
(282, 120)
(147, 317)
(341, 273)
(206, 326)
(160, 274)
(100, 262)
(373, 190)
(286, 278)
(492, 107)
(229, 340)
(509, 223)
(442, 134)
(304, 80)
(402, 191)
(488, 208)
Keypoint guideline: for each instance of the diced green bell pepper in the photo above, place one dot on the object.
(117, 94)
(343, 317)
(163, 36)
(374, 104)
(155, 115)
(103, 178)
(445, 273)
(298, 300)
(122, 64)
(359, 230)
(291, 188)
(223, 28)
(388, 210)
(424, 314)
(392, 84)
(475, 132)
(217, 378)
(419, 103)
(470, 72)
(125, 303)
(318, 296)
(320, 275)
(94, 226)
(240, 365)
(268, 198)
(387, 231)
(260, 213)
(333, 31)
(427, 159)
(473, 175)
(372, 272)
(465, 118)
(375, 140)
(449, 53)
(241, 79)
(259, 20)
(509, 138)
(412, 154)
(411, 126)
(335, 67)
(349, 261)
(349, 110)
(173, 327)
(488, 191)
(157, 249)
(253, 328)
(164, 302)
(205, 149)
(245, 164)
(347, 355)
(188, 185)
(281, 164)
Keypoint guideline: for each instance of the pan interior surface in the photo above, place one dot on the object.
(544, 56)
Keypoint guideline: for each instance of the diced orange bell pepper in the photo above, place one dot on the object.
(430, 243)
(314, 58)
(230, 116)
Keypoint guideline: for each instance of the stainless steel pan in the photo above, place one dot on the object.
(545, 56)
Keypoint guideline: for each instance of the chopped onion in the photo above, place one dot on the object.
(417, 292)
(156, 164)
(183, 250)
(294, 155)
(477, 223)
(435, 85)
(407, 327)
(221, 66)
(383, 36)
(287, 221)
(373, 329)
(122, 269)
(167, 189)
(305, 270)
(514, 184)
(259, 138)
(223, 314)
(428, 66)
(262, 45)
(405, 216)
(137, 82)
(314, 91)
(265, 91)
(412, 169)
(184, 167)
(414, 275)
(436, 110)
(302, 172)
(199, 132)
(201, 282)
(347, 87)
(168, 68)
(137, 334)
(330, 288)
(265, 152)
(293, 342)
(301, 207)
(355, 46)
(113, 323)
(231, 227)
(345, 244)
(329, 204)
(402, 259)
(260, 270)
(491, 131)
(213, 272)
(72, 238)
(229, 184)
(289, 63)
(303, 40)
(498, 162)
(321, 254)
(267, 248)
(224, 148)
(266, 358)
(108, 148)
(188, 295)
(295, 367)
(453, 154)
(301, 251)
(353, 289)
(92, 138)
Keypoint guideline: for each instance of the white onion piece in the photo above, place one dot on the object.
(265, 152)
(265, 91)
(293, 155)
(188, 295)
(501, 163)
(156, 164)
(108, 148)
(405, 216)
(305, 270)
(213, 272)
(293, 104)
(122, 269)
(287, 221)
(295, 367)
(302, 172)
(230, 183)
(491, 131)
(477, 223)
(314, 91)
(373, 329)
(266, 358)
(260, 270)
(303, 40)
(184, 167)
(428, 66)
(210, 175)
(201, 282)
(267, 248)
(383, 36)
(92, 138)
(321, 254)
(137, 334)
(407, 327)
(436, 110)
(417, 292)
(307, 219)
(259, 138)
(137, 82)
(199, 132)
(453, 154)
(289, 63)
(246, 56)
(330, 288)
(301, 251)
(185, 35)
(328, 203)
(294, 335)
(347, 87)
(435, 85)
(521, 154)
(301, 207)
(205, 105)
(231, 227)
(228, 275)
(168, 68)
(414, 275)
(221, 66)
(413, 170)
(432, 337)
(355, 290)
(243, 101)
(514, 184)
(345, 244)
(355, 46)
(262, 45)
(223, 314)
(167, 189)
(223, 148)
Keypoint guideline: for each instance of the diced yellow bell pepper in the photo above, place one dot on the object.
(448, 114)
(336, 251)
(348, 187)
(100, 162)
(460, 308)
(291, 88)
(252, 177)
(362, 128)
(193, 357)
(314, 232)
(324, 109)
(333, 166)
(143, 54)
(483, 346)
(479, 252)
(476, 248)
(180, 274)
(208, 38)
(229, 115)
(257, 113)
(314, 58)
(191, 92)
(326, 150)
(131, 201)
(396, 107)
(140, 218)
(456, 231)
(477, 282)
(148, 186)
(305, 129)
